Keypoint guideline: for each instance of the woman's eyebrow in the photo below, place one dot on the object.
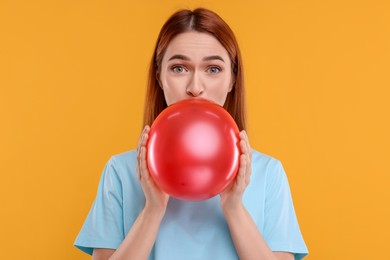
(214, 57)
(208, 58)
(178, 57)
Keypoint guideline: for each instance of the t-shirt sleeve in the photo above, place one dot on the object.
(281, 229)
(103, 227)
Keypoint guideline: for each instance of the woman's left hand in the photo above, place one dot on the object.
(231, 197)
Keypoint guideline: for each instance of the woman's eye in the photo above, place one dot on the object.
(178, 69)
(214, 70)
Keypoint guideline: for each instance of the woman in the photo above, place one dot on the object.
(196, 56)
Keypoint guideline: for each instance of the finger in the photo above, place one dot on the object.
(145, 136)
(244, 136)
(244, 148)
(138, 165)
(144, 172)
(248, 173)
(249, 162)
(248, 144)
(242, 171)
(247, 153)
(141, 139)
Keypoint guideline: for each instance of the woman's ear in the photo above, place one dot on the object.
(158, 80)
(234, 75)
(232, 83)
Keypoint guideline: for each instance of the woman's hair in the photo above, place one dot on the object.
(204, 21)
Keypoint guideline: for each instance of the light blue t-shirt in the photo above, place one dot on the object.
(192, 230)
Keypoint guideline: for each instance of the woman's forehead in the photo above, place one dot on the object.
(195, 45)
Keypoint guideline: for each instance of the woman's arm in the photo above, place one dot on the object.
(248, 241)
(102, 253)
(139, 241)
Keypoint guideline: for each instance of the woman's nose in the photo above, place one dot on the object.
(195, 86)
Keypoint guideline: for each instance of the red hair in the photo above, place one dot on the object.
(204, 21)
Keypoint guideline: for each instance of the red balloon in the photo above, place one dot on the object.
(193, 149)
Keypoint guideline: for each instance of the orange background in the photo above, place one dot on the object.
(72, 79)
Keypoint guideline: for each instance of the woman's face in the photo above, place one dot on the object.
(195, 65)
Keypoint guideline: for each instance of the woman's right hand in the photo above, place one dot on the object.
(140, 239)
(156, 199)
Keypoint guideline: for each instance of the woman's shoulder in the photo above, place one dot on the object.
(264, 160)
(267, 166)
(260, 161)
(122, 163)
(130, 157)
(271, 167)
(124, 156)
